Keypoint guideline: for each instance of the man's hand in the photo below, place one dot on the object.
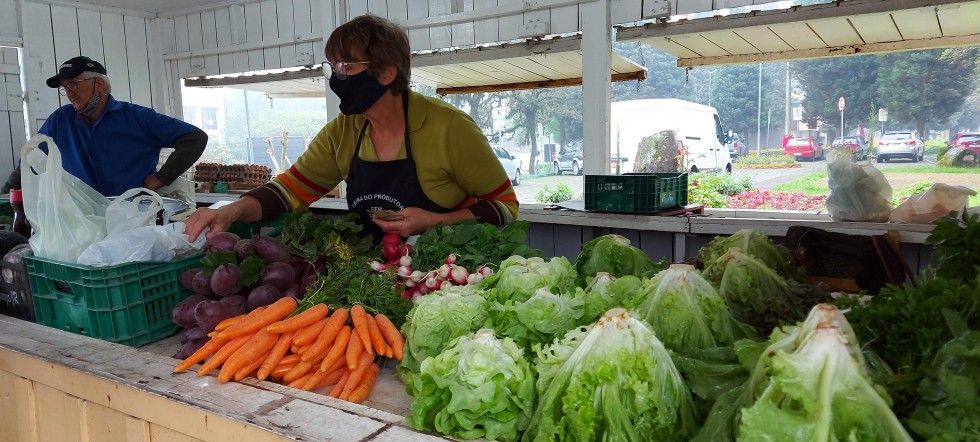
(152, 182)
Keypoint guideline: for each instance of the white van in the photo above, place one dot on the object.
(697, 128)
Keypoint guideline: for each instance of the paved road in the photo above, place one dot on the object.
(761, 178)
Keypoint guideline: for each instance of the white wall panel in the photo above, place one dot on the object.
(9, 25)
(418, 38)
(237, 17)
(65, 23)
(355, 8)
(41, 64)
(510, 27)
(303, 19)
(484, 31)
(195, 42)
(463, 33)
(565, 19)
(287, 29)
(114, 39)
(253, 33)
(378, 7)
(209, 35)
(138, 61)
(222, 34)
(90, 39)
(440, 36)
(181, 45)
(270, 31)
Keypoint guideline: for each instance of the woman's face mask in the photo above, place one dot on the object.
(357, 92)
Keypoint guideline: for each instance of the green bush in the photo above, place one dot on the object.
(913, 189)
(936, 147)
(766, 158)
(710, 189)
(548, 195)
(542, 169)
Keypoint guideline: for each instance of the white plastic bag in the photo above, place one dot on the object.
(858, 192)
(134, 208)
(933, 204)
(147, 243)
(66, 214)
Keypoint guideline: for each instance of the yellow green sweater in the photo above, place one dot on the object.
(456, 166)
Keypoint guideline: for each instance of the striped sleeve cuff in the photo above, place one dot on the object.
(273, 204)
(491, 212)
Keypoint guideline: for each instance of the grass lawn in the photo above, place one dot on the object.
(816, 183)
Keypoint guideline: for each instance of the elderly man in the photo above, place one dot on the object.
(113, 145)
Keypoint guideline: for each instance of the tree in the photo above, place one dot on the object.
(926, 86)
(664, 78)
(479, 106)
(824, 81)
(562, 113)
(300, 123)
(525, 110)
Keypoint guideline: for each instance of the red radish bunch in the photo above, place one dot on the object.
(418, 283)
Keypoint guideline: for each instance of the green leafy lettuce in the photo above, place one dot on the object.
(610, 381)
(606, 292)
(438, 318)
(755, 244)
(540, 319)
(519, 277)
(686, 312)
(614, 255)
(479, 387)
(950, 406)
(758, 294)
(810, 383)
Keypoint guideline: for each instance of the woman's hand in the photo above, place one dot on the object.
(414, 220)
(215, 220)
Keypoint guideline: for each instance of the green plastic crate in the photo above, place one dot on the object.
(635, 192)
(129, 304)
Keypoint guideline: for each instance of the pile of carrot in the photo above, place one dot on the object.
(309, 350)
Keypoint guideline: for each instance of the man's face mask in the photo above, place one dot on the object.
(357, 92)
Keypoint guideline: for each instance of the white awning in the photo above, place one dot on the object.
(820, 30)
(533, 64)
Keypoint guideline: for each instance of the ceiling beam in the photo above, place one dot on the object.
(564, 82)
(251, 79)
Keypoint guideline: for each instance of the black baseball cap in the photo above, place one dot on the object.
(71, 69)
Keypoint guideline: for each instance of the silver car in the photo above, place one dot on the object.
(900, 144)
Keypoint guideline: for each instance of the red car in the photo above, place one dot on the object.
(967, 141)
(804, 148)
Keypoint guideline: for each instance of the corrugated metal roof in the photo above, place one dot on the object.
(814, 30)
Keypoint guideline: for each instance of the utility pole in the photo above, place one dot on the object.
(788, 119)
(758, 117)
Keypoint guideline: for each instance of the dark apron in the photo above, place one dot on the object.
(390, 185)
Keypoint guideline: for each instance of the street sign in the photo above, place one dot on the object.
(797, 113)
(841, 104)
(882, 115)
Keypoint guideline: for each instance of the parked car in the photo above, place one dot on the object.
(736, 147)
(511, 165)
(804, 148)
(969, 140)
(857, 145)
(900, 144)
(568, 159)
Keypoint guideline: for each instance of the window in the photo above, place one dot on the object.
(210, 118)
(191, 115)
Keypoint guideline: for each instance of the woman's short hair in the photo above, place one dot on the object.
(382, 43)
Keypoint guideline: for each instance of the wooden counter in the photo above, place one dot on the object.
(58, 386)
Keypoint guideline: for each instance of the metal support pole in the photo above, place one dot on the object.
(758, 118)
